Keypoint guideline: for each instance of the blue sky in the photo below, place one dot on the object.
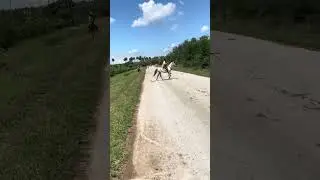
(153, 27)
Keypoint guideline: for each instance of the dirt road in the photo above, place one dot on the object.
(173, 128)
(99, 154)
(266, 115)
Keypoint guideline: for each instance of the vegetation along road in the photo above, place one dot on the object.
(50, 88)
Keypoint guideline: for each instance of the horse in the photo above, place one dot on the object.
(160, 70)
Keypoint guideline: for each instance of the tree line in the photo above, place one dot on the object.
(291, 22)
(193, 53)
(22, 23)
(130, 64)
(273, 12)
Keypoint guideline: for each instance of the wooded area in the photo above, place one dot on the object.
(272, 11)
(292, 22)
(193, 53)
(19, 24)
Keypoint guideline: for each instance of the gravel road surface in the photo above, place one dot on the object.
(173, 128)
(266, 113)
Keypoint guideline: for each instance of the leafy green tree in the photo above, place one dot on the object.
(191, 53)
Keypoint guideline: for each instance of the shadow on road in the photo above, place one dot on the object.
(164, 79)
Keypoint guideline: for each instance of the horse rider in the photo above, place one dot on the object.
(91, 18)
(165, 66)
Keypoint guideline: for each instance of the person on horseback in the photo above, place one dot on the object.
(165, 66)
(92, 27)
(91, 18)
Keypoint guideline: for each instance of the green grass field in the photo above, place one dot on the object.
(121, 68)
(50, 87)
(125, 91)
(196, 71)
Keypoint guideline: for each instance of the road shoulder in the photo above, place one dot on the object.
(128, 171)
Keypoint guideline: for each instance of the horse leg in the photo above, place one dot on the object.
(160, 75)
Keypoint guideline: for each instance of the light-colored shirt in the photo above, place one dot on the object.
(163, 63)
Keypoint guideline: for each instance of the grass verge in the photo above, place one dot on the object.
(50, 87)
(196, 71)
(121, 68)
(125, 89)
(293, 35)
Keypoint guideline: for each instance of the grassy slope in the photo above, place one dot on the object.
(295, 35)
(196, 71)
(120, 68)
(50, 87)
(125, 91)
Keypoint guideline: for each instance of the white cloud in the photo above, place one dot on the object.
(180, 13)
(170, 47)
(174, 27)
(112, 20)
(181, 2)
(166, 50)
(153, 12)
(204, 28)
(133, 51)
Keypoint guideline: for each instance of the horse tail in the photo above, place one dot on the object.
(155, 72)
